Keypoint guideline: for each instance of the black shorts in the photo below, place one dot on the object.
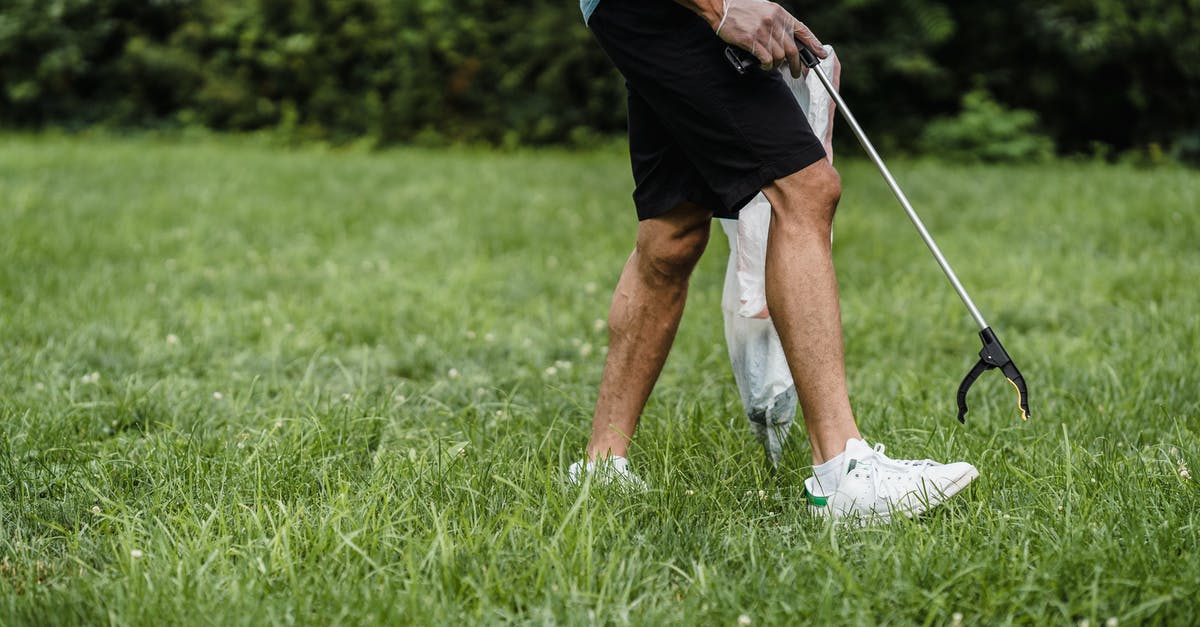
(698, 130)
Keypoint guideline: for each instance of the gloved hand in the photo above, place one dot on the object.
(767, 31)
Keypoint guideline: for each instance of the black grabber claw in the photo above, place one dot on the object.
(991, 356)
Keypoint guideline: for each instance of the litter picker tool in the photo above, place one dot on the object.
(993, 354)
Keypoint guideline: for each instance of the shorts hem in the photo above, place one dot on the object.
(647, 210)
(739, 194)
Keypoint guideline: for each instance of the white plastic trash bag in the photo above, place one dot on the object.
(759, 366)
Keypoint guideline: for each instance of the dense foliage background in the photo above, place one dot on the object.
(961, 78)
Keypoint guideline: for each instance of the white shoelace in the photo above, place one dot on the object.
(902, 464)
(894, 491)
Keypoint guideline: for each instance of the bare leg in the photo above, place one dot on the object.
(642, 322)
(802, 296)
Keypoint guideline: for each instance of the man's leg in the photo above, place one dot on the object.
(802, 296)
(642, 322)
(850, 478)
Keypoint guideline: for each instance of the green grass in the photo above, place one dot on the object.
(326, 387)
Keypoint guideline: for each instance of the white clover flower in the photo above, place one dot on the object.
(91, 379)
(39, 386)
(551, 371)
(345, 397)
(1111, 622)
(172, 339)
(1183, 470)
(743, 620)
(96, 510)
(598, 325)
(453, 373)
(218, 396)
(470, 334)
(585, 350)
(562, 364)
(400, 398)
(136, 554)
(956, 619)
(590, 287)
(689, 492)
(489, 337)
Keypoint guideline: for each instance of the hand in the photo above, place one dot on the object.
(767, 31)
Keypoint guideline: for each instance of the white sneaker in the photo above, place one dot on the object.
(875, 486)
(613, 470)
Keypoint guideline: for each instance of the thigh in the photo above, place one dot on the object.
(664, 178)
(738, 132)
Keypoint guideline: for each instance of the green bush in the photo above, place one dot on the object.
(890, 76)
(1125, 74)
(527, 71)
(469, 70)
(986, 130)
(80, 62)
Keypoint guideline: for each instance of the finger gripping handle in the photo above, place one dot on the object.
(807, 56)
(742, 61)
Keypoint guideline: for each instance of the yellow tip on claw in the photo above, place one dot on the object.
(1024, 416)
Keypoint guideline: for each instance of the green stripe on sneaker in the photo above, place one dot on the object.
(814, 500)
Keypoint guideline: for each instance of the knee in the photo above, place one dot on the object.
(807, 198)
(669, 257)
(828, 188)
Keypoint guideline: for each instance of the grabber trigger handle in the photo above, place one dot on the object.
(992, 356)
(742, 61)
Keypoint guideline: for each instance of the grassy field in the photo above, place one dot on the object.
(245, 385)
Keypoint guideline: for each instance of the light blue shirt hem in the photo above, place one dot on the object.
(587, 7)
